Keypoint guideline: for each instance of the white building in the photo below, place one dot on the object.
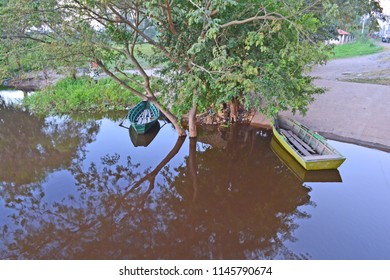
(342, 38)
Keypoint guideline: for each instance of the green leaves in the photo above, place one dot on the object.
(197, 47)
(259, 61)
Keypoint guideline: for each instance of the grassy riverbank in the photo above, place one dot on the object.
(80, 95)
(358, 48)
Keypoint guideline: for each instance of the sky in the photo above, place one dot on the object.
(386, 10)
(386, 6)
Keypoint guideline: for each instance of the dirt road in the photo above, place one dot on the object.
(355, 107)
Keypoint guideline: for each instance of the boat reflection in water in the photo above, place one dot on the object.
(144, 139)
(331, 175)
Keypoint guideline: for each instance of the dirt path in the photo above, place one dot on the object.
(353, 109)
(374, 69)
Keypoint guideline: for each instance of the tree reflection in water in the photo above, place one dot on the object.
(31, 147)
(241, 205)
(229, 199)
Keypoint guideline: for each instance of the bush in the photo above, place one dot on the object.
(80, 95)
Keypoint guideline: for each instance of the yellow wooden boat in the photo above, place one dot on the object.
(309, 148)
(331, 175)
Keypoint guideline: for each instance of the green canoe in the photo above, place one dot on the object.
(143, 116)
(309, 148)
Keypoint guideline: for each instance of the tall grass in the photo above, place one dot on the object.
(357, 48)
(80, 95)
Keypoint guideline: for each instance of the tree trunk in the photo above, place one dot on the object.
(193, 168)
(192, 121)
(234, 109)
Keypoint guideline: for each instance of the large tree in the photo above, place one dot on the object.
(254, 52)
(213, 51)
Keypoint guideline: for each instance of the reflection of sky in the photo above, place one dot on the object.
(11, 95)
(351, 219)
(116, 139)
(59, 185)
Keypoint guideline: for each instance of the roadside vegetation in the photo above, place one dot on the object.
(80, 95)
(358, 48)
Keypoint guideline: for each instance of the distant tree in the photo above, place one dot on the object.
(349, 14)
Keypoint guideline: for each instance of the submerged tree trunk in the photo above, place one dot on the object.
(192, 121)
(193, 168)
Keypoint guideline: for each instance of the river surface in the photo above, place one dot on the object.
(83, 187)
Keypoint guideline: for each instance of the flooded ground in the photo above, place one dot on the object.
(85, 188)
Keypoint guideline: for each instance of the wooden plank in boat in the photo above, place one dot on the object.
(305, 145)
(144, 117)
(295, 143)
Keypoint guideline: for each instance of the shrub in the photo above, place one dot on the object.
(80, 95)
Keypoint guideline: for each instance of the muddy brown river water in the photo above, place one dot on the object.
(85, 188)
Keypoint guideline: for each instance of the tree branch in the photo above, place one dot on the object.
(24, 37)
(128, 77)
(118, 80)
(142, 34)
(255, 18)
(171, 25)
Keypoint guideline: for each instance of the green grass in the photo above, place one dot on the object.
(358, 48)
(81, 95)
(2, 87)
